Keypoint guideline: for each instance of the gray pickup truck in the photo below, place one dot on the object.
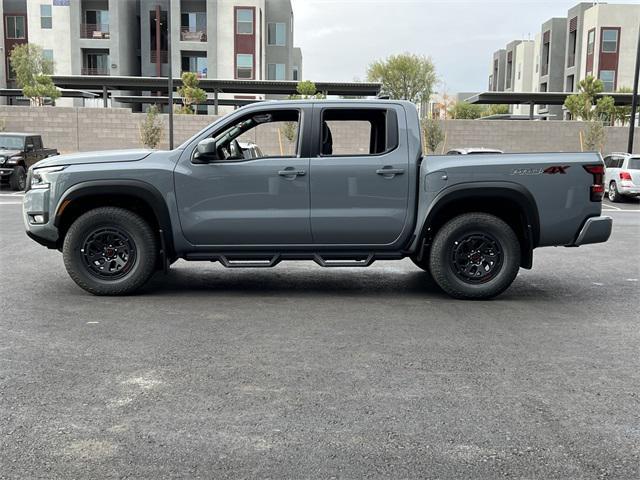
(342, 183)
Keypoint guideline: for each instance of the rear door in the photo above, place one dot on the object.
(359, 174)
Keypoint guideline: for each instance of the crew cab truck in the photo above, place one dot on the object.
(18, 152)
(349, 187)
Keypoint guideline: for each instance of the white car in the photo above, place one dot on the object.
(622, 176)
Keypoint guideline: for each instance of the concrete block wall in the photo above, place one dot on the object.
(86, 129)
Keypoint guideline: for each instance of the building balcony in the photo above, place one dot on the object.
(95, 71)
(164, 57)
(189, 35)
(95, 31)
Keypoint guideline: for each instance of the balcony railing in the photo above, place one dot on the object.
(95, 71)
(96, 31)
(164, 58)
(187, 35)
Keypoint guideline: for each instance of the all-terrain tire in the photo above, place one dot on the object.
(141, 245)
(496, 264)
(18, 179)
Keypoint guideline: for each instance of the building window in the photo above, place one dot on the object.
(244, 65)
(196, 64)
(46, 21)
(609, 41)
(608, 78)
(15, 28)
(295, 74)
(591, 41)
(47, 54)
(11, 73)
(277, 34)
(570, 83)
(244, 21)
(275, 71)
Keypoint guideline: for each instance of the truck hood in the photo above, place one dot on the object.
(94, 157)
(8, 153)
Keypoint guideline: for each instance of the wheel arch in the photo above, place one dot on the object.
(513, 203)
(133, 195)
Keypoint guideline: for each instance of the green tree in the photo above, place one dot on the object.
(33, 72)
(622, 113)
(605, 110)
(151, 128)
(432, 134)
(307, 90)
(404, 77)
(580, 105)
(190, 92)
(497, 109)
(466, 111)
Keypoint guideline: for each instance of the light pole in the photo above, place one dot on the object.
(170, 85)
(634, 100)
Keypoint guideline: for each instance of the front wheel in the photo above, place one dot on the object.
(110, 251)
(475, 256)
(18, 179)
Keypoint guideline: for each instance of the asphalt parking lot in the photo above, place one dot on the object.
(303, 372)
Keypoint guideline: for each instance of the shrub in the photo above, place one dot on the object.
(151, 128)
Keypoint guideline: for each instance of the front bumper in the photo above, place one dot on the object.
(594, 230)
(37, 202)
(6, 172)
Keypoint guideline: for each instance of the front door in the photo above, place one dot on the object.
(359, 176)
(238, 199)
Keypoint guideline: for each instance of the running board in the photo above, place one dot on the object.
(265, 260)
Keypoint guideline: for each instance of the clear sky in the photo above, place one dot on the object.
(339, 38)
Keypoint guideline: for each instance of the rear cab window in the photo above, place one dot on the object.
(357, 132)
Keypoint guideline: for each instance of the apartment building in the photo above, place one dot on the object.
(593, 39)
(228, 39)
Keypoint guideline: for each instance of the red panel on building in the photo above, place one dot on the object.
(244, 42)
(609, 60)
(9, 43)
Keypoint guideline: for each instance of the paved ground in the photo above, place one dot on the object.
(303, 372)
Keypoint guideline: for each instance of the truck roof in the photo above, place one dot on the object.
(18, 134)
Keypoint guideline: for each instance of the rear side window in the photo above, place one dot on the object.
(634, 164)
(358, 132)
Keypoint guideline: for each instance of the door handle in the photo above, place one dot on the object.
(291, 172)
(390, 171)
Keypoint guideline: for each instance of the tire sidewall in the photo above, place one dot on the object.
(18, 173)
(79, 271)
(441, 254)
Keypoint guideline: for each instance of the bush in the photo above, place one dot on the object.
(151, 128)
(595, 137)
(432, 134)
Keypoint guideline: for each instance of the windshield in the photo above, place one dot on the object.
(634, 163)
(8, 142)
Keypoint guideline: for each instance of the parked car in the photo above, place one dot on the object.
(622, 176)
(357, 189)
(473, 151)
(18, 152)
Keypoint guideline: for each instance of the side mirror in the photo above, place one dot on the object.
(206, 151)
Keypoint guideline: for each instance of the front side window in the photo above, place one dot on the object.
(358, 132)
(244, 21)
(277, 34)
(46, 21)
(15, 28)
(591, 41)
(609, 41)
(275, 71)
(608, 78)
(260, 135)
(244, 66)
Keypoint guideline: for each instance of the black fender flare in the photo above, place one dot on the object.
(508, 191)
(132, 188)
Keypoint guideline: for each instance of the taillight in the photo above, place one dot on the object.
(597, 189)
(625, 176)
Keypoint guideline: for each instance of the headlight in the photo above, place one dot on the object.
(41, 177)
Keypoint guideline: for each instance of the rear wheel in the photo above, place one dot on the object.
(613, 194)
(110, 251)
(18, 179)
(475, 256)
